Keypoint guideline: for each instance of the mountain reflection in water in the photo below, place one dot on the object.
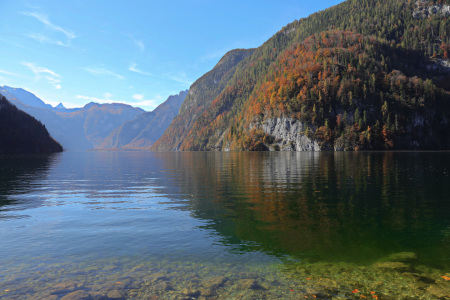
(354, 207)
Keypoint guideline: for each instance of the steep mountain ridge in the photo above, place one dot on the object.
(20, 133)
(200, 95)
(220, 121)
(25, 97)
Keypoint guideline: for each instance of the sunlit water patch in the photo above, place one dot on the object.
(136, 225)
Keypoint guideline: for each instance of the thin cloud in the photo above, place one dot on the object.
(45, 20)
(149, 103)
(133, 68)
(138, 96)
(54, 81)
(45, 39)
(181, 78)
(10, 73)
(42, 38)
(213, 55)
(13, 44)
(98, 100)
(142, 102)
(37, 70)
(52, 77)
(138, 43)
(103, 71)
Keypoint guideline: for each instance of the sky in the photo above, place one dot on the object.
(134, 52)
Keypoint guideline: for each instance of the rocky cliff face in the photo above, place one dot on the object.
(289, 135)
(426, 9)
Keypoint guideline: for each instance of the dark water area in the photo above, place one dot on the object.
(263, 225)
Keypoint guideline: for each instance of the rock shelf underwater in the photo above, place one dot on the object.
(394, 277)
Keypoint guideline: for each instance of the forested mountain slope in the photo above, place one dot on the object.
(365, 74)
(20, 133)
(199, 98)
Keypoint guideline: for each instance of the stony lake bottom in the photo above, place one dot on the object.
(237, 225)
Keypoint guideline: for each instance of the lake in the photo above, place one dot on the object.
(237, 225)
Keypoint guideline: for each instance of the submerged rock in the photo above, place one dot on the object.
(162, 286)
(392, 266)
(215, 282)
(439, 292)
(249, 284)
(116, 295)
(206, 292)
(45, 297)
(65, 287)
(157, 277)
(402, 257)
(191, 292)
(78, 295)
(421, 278)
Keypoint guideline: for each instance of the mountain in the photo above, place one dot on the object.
(27, 98)
(364, 74)
(85, 128)
(21, 133)
(61, 108)
(199, 98)
(146, 128)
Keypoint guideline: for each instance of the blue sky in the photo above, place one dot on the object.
(134, 52)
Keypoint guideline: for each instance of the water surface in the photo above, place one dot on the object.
(276, 225)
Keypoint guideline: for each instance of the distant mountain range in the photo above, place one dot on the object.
(145, 129)
(98, 126)
(20, 133)
(15, 95)
(364, 74)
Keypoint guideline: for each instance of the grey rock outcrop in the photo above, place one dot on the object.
(424, 10)
(289, 134)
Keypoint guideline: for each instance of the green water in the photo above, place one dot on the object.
(135, 225)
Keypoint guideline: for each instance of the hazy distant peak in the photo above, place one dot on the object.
(60, 106)
(110, 106)
(24, 96)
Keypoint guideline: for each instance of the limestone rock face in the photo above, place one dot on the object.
(290, 134)
(424, 10)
